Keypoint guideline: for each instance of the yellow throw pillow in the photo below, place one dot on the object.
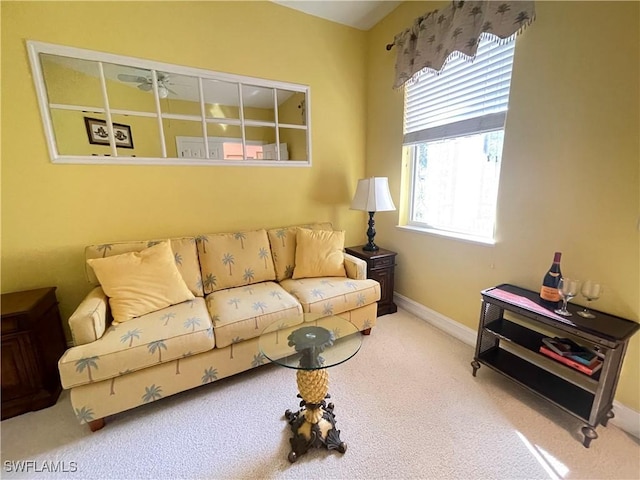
(319, 253)
(283, 247)
(142, 282)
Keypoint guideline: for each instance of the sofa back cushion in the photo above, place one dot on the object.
(283, 246)
(184, 250)
(234, 259)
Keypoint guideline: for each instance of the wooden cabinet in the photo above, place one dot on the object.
(32, 343)
(381, 266)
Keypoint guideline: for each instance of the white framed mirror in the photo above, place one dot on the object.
(101, 108)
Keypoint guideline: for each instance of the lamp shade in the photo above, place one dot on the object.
(372, 195)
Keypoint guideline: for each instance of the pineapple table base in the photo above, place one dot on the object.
(311, 349)
(314, 425)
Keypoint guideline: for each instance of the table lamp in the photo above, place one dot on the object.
(372, 195)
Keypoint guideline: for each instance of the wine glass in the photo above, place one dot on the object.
(567, 288)
(591, 291)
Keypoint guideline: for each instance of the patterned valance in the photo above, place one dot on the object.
(454, 31)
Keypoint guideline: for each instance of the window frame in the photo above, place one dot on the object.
(411, 152)
(36, 48)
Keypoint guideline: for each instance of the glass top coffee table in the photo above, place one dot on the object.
(310, 344)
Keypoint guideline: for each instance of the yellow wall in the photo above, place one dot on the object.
(50, 212)
(570, 174)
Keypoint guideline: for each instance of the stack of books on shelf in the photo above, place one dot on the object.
(566, 351)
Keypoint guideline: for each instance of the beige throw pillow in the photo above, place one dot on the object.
(319, 253)
(142, 282)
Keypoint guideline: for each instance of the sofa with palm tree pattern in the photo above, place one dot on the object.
(224, 289)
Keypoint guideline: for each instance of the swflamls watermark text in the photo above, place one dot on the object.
(35, 466)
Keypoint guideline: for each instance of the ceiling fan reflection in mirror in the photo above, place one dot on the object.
(146, 83)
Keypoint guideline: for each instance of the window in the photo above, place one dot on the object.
(454, 131)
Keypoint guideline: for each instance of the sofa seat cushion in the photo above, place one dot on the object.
(242, 313)
(174, 332)
(332, 295)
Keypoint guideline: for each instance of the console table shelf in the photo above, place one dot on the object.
(530, 340)
(511, 348)
(557, 390)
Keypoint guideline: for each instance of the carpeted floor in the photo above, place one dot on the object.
(407, 406)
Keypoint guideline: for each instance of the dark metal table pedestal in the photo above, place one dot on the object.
(314, 425)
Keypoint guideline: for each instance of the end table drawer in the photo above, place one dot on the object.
(382, 262)
(10, 325)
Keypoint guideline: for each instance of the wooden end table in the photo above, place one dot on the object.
(32, 344)
(381, 268)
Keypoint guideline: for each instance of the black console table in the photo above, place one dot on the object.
(509, 344)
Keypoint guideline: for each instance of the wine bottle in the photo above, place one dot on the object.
(549, 290)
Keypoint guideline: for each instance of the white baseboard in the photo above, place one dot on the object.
(453, 328)
(625, 418)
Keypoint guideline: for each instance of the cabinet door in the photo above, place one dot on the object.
(190, 147)
(19, 368)
(216, 149)
(385, 278)
(269, 152)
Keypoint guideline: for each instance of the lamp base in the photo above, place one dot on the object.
(371, 233)
(370, 247)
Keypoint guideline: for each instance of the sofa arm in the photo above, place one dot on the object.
(89, 321)
(356, 268)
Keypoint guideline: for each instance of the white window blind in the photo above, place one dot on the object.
(465, 98)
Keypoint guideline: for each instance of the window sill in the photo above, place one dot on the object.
(444, 233)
